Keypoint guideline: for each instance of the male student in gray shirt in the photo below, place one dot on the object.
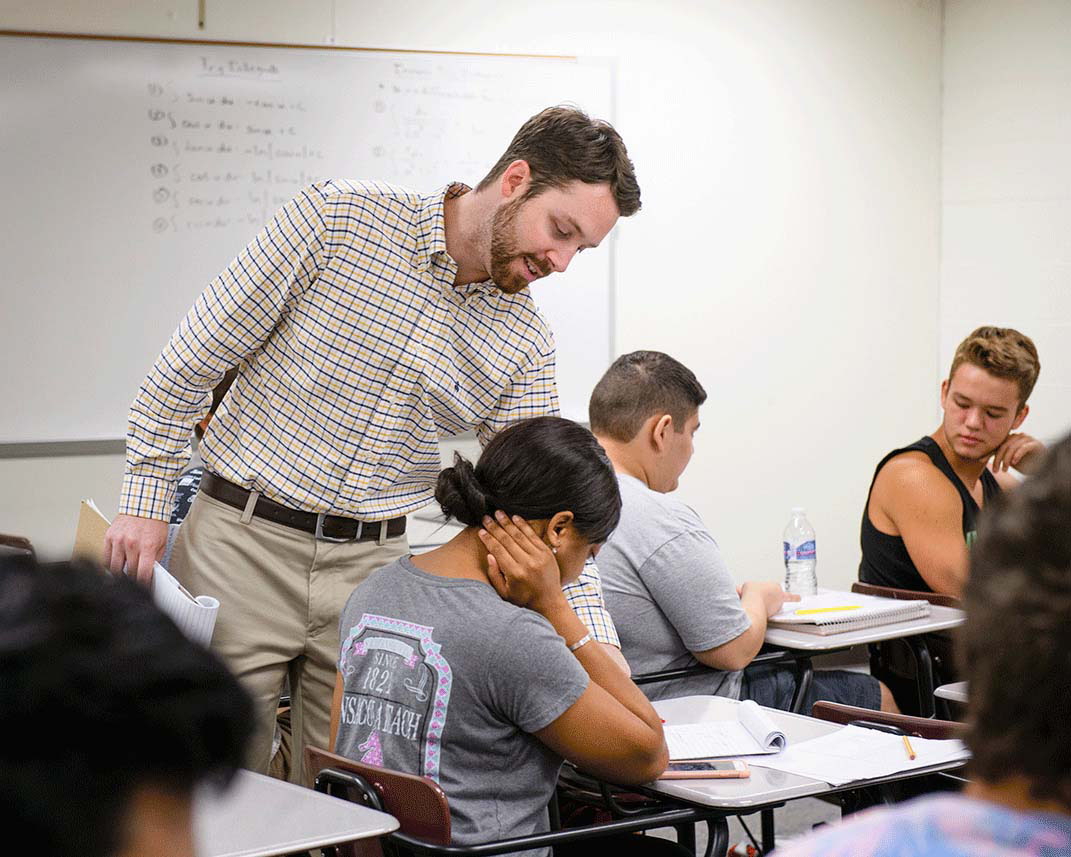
(666, 584)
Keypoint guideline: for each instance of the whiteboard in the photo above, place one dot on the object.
(134, 171)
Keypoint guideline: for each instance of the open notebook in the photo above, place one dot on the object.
(831, 612)
(195, 616)
(751, 733)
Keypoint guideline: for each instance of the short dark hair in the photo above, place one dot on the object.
(562, 145)
(639, 385)
(100, 695)
(536, 468)
(1016, 645)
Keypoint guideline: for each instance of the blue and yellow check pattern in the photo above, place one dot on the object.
(356, 352)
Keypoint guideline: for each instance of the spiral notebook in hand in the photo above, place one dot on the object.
(831, 612)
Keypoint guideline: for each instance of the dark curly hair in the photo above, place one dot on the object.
(1016, 644)
(536, 468)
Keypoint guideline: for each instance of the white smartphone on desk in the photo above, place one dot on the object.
(706, 769)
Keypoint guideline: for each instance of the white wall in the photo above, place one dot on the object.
(1007, 187)
(788, 249)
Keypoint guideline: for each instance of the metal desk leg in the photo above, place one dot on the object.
(686, 837)
(717, 837)
(767, 819)
(804, 673)
(924, 665)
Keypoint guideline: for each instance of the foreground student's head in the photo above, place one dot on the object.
(549, 471)
(984, 397)
(649, 402)
(109, 716)
(1016, 646)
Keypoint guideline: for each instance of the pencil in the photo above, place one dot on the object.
(910, 749)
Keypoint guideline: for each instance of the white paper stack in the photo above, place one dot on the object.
(855, 753)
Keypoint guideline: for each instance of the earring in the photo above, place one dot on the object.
(554, 550)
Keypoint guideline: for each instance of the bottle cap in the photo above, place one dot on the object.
(798, 510)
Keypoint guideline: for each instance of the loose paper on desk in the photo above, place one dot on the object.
(195, 617)
(854, 753)
(752, 732)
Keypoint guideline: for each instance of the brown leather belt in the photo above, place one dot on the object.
(329, 528)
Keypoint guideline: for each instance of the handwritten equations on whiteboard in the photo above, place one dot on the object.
(142, 168)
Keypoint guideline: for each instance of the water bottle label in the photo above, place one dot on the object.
(788, 551)
(806, 550)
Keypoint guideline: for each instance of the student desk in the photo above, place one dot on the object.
(956, 691)
(765, 788)
(805, 645)
(260, 816)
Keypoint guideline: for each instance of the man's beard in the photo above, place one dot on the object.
(504, 250)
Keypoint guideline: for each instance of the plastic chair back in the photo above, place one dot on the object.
(919, 727)
(417, 802)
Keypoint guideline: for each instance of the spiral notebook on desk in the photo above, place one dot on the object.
(831, 612)
(752, 732)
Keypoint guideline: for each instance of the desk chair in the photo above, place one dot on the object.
(801, 665)
(423, 813)
(771, 656)
(905, 724)
(935, 598)
(925, 661)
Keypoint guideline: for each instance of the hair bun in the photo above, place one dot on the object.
(460, 494)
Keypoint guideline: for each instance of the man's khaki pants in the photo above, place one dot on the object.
(280, 593)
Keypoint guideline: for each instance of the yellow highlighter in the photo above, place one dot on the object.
(828, 609)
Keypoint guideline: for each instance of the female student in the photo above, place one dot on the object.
(467, 665)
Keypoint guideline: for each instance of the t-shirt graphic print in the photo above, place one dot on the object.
(396, 693)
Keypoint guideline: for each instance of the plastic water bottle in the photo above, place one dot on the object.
(800, 556)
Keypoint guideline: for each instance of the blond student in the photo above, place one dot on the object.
(1014, 653)
(924, 499)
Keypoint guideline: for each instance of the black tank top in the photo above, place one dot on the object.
(886, 561)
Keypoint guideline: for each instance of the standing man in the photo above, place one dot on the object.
(920, 514)
(366, 321)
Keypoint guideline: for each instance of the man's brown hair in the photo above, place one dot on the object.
(1004, 352)
(1015, 649)
(562, 145)
(638, 386)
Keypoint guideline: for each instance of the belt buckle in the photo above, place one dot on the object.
(320, 537)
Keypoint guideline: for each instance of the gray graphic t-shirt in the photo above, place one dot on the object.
(669, 591)
(443, 678)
